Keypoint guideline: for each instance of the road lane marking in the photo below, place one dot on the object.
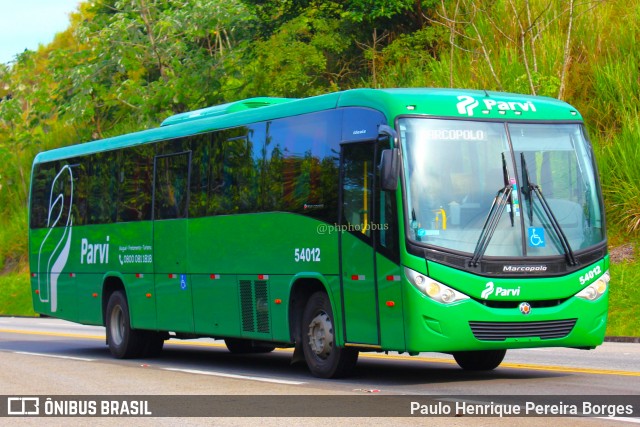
(235, 376)
(56, 356)
(565, 369)
(623, 419)
(53, 334)
(568, 369)
(519, 366)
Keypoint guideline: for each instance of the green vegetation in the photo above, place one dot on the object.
(126, 65)
(15, 299)
(623, 302)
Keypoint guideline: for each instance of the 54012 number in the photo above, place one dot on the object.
(590, 275)
(306, 255)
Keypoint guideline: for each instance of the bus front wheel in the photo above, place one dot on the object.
(323, 357)
(480, 360)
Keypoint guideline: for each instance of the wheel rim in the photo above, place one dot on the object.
(321, 335)
(117, 325)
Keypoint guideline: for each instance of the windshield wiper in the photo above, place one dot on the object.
(491, 223)
(503, 196)
(531, 187)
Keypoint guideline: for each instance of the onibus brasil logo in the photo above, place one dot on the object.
(468, 105)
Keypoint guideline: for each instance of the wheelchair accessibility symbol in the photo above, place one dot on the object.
(536, 237)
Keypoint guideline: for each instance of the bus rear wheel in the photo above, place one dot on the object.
(323, 357)
(480, 360)
(124, 342)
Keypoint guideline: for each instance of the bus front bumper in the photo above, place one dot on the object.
(470, 325)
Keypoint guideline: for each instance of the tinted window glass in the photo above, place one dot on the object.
(171, 185)
(136, 172)
(300, 164)
(40, 193)
(201, 164)
(357, 189)
(240, 171)
(79, 203)
(102, 193)
(54, 201)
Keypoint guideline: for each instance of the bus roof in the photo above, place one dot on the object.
(458, 103)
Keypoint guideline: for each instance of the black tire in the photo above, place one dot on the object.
(323, 357)
(124, 342)
(480, 360)
(153, 343)
(244, 346)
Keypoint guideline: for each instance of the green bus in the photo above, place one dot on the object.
(409, 220)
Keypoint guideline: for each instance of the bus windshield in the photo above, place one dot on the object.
(500, 189)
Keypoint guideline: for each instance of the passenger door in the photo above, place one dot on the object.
(174, 303)
(358, 270)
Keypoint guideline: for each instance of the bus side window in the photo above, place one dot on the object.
(41, 188)
(239, 175)
(102, 194)
(357, 185)
(201, 164)
(171, 185)
(136, 177)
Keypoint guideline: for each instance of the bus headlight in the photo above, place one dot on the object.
(432, 288)
(596, 289)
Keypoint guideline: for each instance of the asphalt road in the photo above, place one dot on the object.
(52, 357)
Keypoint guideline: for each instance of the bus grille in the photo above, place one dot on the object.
(500, 331)
(255, 306)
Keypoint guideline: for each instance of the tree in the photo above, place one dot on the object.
(151, 58)
(304, 57)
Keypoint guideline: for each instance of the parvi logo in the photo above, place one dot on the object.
(468, 104)
(488, 290)
(499, 291)
(94, 253)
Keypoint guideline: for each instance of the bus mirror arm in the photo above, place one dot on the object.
(389, 162)
(388, 131)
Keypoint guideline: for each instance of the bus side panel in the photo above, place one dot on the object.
(261, 243)
(140, 291)
(390, 304)
(248, 255)
(66, 296)
(359, 281)
(53, 282)
(333, 284)
(279, 292)
(90, 298)
(173, 291)
(122, 251)
(215, 304)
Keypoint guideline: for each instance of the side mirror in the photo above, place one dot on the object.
(389, 169)
(389, 161)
